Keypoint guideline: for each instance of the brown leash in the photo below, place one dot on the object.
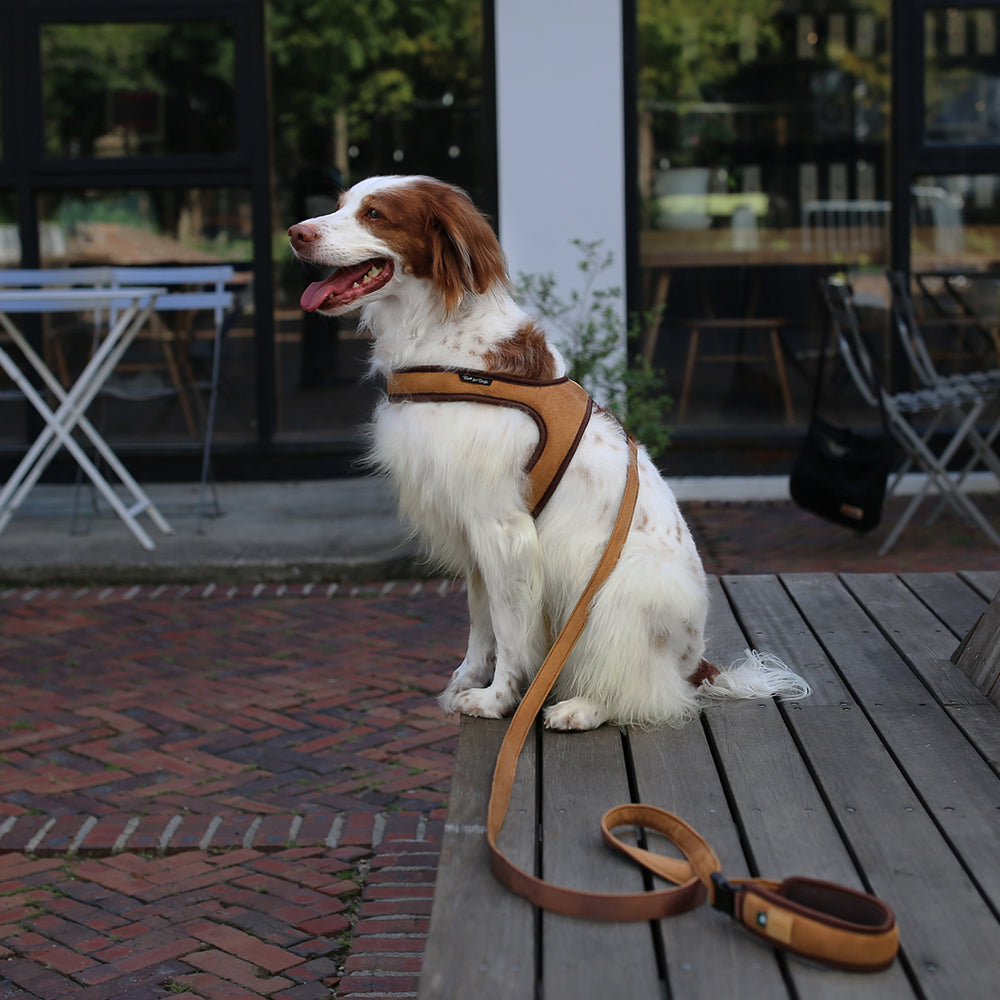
(823, 921)
(819, 920)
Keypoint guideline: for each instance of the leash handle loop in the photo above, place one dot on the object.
(828, 923)
(823, 921)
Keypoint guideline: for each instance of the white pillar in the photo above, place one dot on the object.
(560, 135)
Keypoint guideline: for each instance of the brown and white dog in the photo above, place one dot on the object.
(430, 278)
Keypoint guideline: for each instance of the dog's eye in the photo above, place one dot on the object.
(374, 213)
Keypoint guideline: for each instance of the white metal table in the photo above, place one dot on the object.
(129, 309)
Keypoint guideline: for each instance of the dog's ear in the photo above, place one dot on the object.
(465, 253)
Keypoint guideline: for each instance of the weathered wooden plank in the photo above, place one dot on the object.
(583, 776)
(981, 726)
(959, 790)
(988, 584)
(482, 937)
(480, 932)
(986, 581)
(706, 954)
(950, 937)
(914, 635)
(922, 638)
(785, 821)
(773, 625)
(876, 674)
(978, 657)
(950, 597)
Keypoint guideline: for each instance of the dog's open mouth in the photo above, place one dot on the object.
(347, 284)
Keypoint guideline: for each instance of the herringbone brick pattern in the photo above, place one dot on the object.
(223, 794)
(239, 924)
(225, 705)
(779, 537)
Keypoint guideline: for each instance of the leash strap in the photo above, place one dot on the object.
(560, 408)
(828, 923)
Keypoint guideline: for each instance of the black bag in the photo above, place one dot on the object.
(841, 475)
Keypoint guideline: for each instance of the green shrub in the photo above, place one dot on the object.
(590, 332)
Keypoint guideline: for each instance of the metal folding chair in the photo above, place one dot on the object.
(984, 383)
(918, 354)
(930, 424)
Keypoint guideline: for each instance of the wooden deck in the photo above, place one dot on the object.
(885, 779)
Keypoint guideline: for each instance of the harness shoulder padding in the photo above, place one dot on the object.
(561, 409)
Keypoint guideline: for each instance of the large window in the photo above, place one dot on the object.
(781, 141)
(139, 137)
(149, 131)
(956, 215)
(763, 131)
(113, 90)
(962, 76)
(399, 90)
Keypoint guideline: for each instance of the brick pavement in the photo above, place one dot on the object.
(238, 792)
(780, 537)
(220, 792)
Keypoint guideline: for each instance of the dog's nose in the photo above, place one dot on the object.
(300, 234)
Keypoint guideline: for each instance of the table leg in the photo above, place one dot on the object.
(779, 364)
(652, 331)
(29, 475)
(71, 413)
(692, 357)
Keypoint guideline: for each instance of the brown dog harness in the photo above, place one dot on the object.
(828, 923)
(560, 408)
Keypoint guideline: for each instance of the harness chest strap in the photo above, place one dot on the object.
(560, 408)
(819, 920)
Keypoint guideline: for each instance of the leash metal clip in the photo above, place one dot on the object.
(724, 894)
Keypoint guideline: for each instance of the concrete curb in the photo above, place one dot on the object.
(292, 571)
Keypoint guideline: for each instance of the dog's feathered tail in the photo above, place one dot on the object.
(755, 675)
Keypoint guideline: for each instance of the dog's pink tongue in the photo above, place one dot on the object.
(317, 293)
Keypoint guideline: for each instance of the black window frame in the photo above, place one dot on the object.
(27, 172)
(912, 153)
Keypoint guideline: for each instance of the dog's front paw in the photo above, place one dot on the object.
(491, 702)
(448, 698)
(575, 714)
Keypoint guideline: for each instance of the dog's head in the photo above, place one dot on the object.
(389, 230)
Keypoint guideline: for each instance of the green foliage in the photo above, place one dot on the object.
(688, 46)
(371, 62)
(590, 332)
(188, 67)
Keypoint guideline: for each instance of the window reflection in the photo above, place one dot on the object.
(154, 226)
(750, 116)
(12, 406)
(956, 221)
(10, 242)
(763, 145)
(113, 90)
(962, 78)
(162, 226)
